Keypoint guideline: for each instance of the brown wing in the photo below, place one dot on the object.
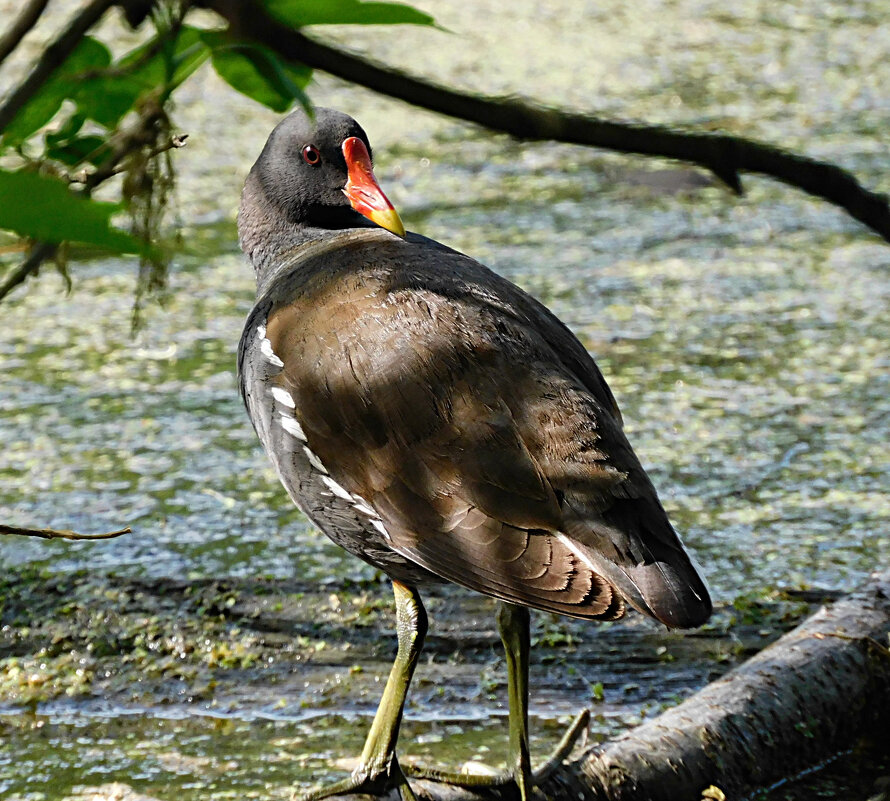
(491, 463)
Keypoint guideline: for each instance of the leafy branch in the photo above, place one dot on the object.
(78, 68)
(724, 155)
(70, 109)
(55, 54)
(71, 215)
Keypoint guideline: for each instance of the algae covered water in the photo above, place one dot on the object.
(225, 646)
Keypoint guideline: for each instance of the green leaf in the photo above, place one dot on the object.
(187, 60)
(173, 62)
(88, 56)
(45, 209)
(107, 98)
(78, 149)
(345, 12)
(258, 72)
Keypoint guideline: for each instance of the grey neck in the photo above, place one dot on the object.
(264, 233)
(310, 249)
(273, 243)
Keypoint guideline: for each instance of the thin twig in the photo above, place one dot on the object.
(52, 58)
(124, 142)
(84, 177)
(39, 254)
(56, 534)
(25, 21)
(724, 155)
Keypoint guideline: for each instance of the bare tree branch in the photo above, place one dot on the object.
(39, 254)
(63, 534)
(25, 21)
(52, 58)
(724, 155)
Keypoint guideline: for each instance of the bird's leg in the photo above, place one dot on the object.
(513, 625)
(378, 770)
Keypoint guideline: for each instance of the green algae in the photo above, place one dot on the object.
(745, 339)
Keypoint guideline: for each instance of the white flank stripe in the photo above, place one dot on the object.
(363, 507)
(292, 427)
(283, 397)
(334, 487)
(314, 461)
(271, 357)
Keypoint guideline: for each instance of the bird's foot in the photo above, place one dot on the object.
(523, 784)
(366, 779)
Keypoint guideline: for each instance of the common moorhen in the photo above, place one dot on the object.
(436, 421)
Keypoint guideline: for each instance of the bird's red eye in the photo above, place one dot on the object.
(311, 155)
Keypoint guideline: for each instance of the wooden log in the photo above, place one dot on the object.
(807, 697)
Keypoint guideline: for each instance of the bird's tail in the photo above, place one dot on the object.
(663, 584)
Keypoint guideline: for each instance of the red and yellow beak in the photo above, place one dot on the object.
(364, 192)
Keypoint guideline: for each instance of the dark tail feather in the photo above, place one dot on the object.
(672, 593)
(665, 586)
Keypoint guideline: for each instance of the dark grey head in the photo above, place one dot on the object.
(313, 177)
(301, 171)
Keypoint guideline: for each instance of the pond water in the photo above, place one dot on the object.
(745, 339)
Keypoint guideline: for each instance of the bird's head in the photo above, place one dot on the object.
(317, 171)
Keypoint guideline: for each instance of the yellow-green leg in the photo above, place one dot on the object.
(378, 770)
(513, 625)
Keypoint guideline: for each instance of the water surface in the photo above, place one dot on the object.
(745, 339)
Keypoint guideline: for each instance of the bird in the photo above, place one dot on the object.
(436, 421)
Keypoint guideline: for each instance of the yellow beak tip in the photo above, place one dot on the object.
(390, 220)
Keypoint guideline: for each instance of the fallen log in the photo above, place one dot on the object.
(806, 698)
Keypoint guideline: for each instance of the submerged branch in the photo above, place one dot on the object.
(60, 534)
(724, 155)
(812, 694)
